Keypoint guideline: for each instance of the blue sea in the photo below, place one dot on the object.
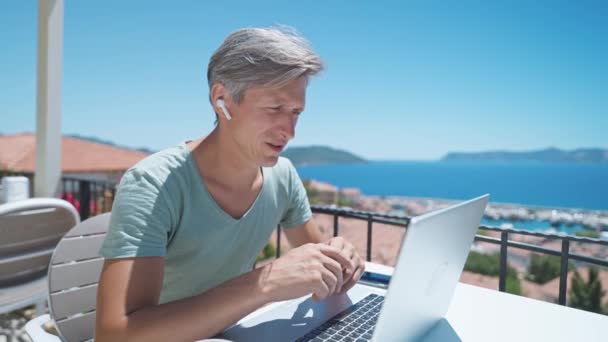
(581, 186)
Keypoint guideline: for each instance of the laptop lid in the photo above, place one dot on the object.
(432, 257)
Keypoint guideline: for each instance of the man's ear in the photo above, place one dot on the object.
(217, 96)
(220, 103)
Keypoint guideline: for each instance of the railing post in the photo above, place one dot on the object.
(336, 224)
(104, 202)
(278, 253)
(563, 274)
(84, 187)
(113, 197)
(502, 279)
(369, 238)
(63, 192)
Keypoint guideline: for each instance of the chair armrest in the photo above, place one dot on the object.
(34, 330)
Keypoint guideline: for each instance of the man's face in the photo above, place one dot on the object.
(265, 120)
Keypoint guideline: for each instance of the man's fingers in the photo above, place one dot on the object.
(346, 249)
(351, 254)
(349, 283)
(331, 280)
(343, 262)
(337, 242)
(350, 251)
(335, 268)
(320, 291)
(337, 255)
(352, 281)
(326, 286)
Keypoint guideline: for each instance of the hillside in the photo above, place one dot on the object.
(316, 155)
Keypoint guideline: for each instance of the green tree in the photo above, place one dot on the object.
(588, 233)
(344, 201)
(268, 252)
(513, 285)
(587, 295)
(482, 232)
(543, 268)
(313, 194)
(489, 264)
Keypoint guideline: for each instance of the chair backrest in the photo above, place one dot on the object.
(29, 231)
(73, 275)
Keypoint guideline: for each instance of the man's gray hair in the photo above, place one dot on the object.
(261, 56)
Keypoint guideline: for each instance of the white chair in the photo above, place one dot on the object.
(29, 231)
(72, 284)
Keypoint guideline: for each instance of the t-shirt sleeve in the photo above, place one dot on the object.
(298, 209)
(140, 222)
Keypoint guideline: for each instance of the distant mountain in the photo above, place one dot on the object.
(315, 155)
(111, 143)
(549, 155)
(311, 155)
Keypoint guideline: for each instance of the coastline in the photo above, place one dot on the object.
(596, 220)
(558, 219)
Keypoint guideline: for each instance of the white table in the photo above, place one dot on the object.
(479, 314)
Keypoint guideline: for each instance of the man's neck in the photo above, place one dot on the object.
(221, 162)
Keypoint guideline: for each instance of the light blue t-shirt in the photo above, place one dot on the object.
(162, 208)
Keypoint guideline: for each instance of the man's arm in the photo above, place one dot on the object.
(128, 309)
(305, 233)
(129, 289)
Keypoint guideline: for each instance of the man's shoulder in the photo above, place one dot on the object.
(159, 166)
(284, 164)
(283, 169)
(283, 176)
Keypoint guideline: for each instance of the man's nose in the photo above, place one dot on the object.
(288, 126)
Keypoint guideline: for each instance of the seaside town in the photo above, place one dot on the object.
(386, 239)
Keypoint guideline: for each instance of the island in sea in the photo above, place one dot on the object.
(318, 155)
(548, 155)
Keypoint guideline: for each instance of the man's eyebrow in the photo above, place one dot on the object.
(274, 100)
(269, 99)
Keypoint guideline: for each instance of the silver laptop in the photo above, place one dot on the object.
(432, 257)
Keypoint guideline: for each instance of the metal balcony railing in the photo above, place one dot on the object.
(504, 242)
(90, 197)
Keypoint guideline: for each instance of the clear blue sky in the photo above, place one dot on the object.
(404, 79)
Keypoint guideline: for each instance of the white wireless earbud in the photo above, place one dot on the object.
(220, 103)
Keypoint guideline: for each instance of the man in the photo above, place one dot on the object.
(189, 221)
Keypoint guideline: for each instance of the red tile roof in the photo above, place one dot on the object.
(18, 153)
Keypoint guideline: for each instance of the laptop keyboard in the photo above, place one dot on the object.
(356, 323)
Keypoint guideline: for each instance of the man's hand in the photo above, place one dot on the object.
(316, 268)
(348, 251)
